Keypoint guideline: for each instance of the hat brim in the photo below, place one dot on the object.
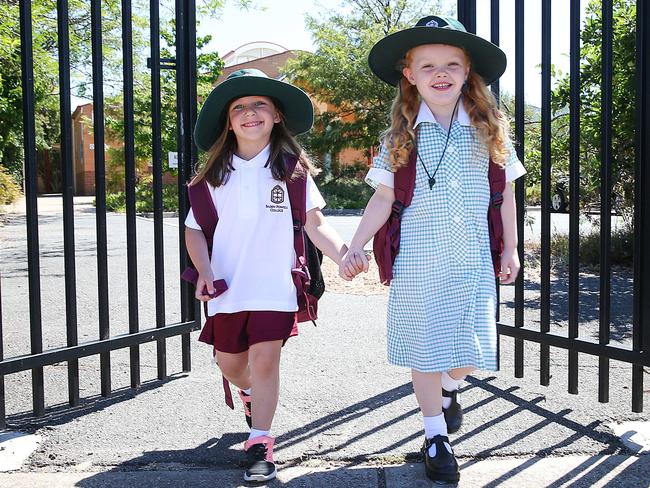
(487, 59)
(295, 105)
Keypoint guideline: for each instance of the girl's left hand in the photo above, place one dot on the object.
(509, 266)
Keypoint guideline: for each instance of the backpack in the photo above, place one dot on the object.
(306, 274)
(385, 244)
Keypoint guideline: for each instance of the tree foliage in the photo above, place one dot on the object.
(355, 104)
(623, 110)
(46, 82)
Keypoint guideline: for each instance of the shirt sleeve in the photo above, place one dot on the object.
(314, 197)
(514, 168)
(380, 172)
(190, 221)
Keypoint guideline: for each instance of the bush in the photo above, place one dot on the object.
(621, 249)
(116, 202)
(346, 192)
(9, 190)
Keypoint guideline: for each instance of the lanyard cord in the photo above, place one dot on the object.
(432, 177)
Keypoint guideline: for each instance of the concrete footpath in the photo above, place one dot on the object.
(345, 417)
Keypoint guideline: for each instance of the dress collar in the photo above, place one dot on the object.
(425, 115)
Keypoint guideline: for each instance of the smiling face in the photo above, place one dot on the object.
(438, 71)
(252, 119)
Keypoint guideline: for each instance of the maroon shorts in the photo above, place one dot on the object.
(236, 332)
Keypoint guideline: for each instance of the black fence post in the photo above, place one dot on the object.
(34, 269)
(68, 198)
(641, 318)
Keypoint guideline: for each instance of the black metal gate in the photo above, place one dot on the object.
(637, 356)
(185, 65)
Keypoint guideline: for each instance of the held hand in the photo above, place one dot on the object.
(204, 287)
(354, 262)
(509, 266)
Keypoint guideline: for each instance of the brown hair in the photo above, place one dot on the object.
(218, 165)
(478, 101)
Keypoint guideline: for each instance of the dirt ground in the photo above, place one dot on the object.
(363, 284)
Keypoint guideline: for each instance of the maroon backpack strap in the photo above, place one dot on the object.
(386, 242)
(497, 179)
(405, 181)
(297, 189)
(205, 213)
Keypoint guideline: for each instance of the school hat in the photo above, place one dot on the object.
(292, 102)
(488, 60)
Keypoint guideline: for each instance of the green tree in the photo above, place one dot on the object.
(209, 66)
(623, 98)
(357, 104)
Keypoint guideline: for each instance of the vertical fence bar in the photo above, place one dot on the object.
(68, 198)
(545, 292)
(130, 170)
(495, 38)
(574, 186)
(100, 191)
(29, 143)
(156, 142)
(605, 195)
(192, 105)
(641, 318)
(184, 130)
(466, 13)
(520, 188)
(3, 413)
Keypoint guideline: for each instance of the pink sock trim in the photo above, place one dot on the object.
(263, 439)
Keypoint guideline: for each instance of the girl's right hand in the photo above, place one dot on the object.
(354, 262)
(204, 283)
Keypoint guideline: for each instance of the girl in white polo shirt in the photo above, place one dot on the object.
(247, 125)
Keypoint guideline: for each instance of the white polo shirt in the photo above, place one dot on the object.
(253, 242)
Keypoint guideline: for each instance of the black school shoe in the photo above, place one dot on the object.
(259, 459)
(453, 414)
(441, 468)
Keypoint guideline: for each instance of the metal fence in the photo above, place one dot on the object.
(185, 64)
(186, 114)
(639, 355)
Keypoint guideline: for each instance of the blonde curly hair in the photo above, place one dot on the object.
(481, 107)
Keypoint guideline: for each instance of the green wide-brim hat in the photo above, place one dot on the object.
(294, 104)
(487, 59)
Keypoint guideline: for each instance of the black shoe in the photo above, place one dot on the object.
(453, 414)
(259, 459)
(442, 467)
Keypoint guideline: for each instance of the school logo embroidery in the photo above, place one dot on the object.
(432, 23)
(277, 195)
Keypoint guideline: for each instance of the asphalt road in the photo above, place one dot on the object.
(340, 400)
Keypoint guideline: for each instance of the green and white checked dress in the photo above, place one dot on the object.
(442, 300)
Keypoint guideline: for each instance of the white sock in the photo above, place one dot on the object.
(247, 391)
(257, 433)
(434, 426)
(449, 383)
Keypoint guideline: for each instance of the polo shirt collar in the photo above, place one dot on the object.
(258, 161)
(425, 115)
